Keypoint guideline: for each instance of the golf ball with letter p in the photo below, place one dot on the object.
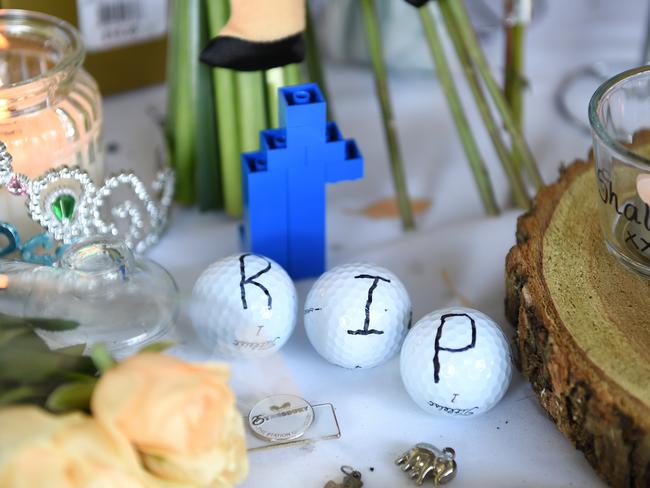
(357, 315)
(244, 306)
(456, 362)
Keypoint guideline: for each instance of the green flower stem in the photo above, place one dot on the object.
(514, 79)
(510, 167)
(292, 75)
(207, 179)
(251, 108)
(183, 80)
(314, 61)
(471, 44)
(371, 23)
(464, 130)
(274, 79)
(225, 96)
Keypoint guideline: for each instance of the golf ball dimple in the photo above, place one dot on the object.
(244, 306)
(357, 315)
(456, 362)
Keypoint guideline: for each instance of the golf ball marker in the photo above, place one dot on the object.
(244, 306)
(456, 362)
(357, 315)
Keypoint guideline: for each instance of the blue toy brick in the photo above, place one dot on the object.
(302, 105)
(272, 139)
(284, 183)
(267, 227)
(351, 168)
(307, 218)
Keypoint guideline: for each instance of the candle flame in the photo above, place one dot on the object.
(4, 281)
(4, 42)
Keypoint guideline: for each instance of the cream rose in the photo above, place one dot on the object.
(181, 417)
(38, 449)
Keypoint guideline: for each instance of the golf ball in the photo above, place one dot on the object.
(244, 306)
(456, 362)
(357, 315)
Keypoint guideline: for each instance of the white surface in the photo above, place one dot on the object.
(513, 445)
(244, 306)
(456, 363)
(356, 315)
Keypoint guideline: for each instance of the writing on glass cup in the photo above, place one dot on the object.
(619, 115)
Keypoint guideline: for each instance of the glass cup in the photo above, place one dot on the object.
(50, 108)
(619, 115)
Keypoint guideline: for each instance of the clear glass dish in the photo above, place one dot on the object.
(118, 299)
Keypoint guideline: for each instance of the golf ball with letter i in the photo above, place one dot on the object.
(244, 306)
(357, 315)
(456, 362)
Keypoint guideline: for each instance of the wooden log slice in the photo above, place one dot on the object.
(583, 329)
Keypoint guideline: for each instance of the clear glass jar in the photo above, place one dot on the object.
(50, 108)
(118, 299)
(619, 115)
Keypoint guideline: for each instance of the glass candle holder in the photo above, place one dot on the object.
(619, 115)
(50, 108)
(118, 299)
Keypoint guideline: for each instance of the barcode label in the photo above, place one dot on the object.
(106, 24)
(112, 12)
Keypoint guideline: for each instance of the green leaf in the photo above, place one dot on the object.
(159, 346)
(27, 359)
(52, 325)
(76, 350)
(71, 396)
(11, 322)
(17, 395)
(102, 358)
(69, 376)
(7, 335)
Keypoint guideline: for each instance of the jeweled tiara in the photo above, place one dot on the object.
(68, 205)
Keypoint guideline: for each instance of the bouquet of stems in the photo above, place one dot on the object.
(216, 114)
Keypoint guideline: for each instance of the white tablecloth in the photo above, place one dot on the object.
(514, 445)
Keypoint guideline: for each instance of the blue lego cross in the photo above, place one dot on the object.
(284, 182)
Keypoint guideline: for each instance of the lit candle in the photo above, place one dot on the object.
(50, 108)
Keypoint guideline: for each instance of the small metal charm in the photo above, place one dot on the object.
(425, 460)
(352, 479)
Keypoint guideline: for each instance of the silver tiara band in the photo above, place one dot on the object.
(68, 205)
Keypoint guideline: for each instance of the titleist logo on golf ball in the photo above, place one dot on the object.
(453, 411)
(255, 345)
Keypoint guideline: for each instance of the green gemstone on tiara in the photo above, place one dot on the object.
(68, 213)
(63, 207)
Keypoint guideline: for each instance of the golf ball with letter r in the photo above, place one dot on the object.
(244, 306)
(357, 315)
(456, 362)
